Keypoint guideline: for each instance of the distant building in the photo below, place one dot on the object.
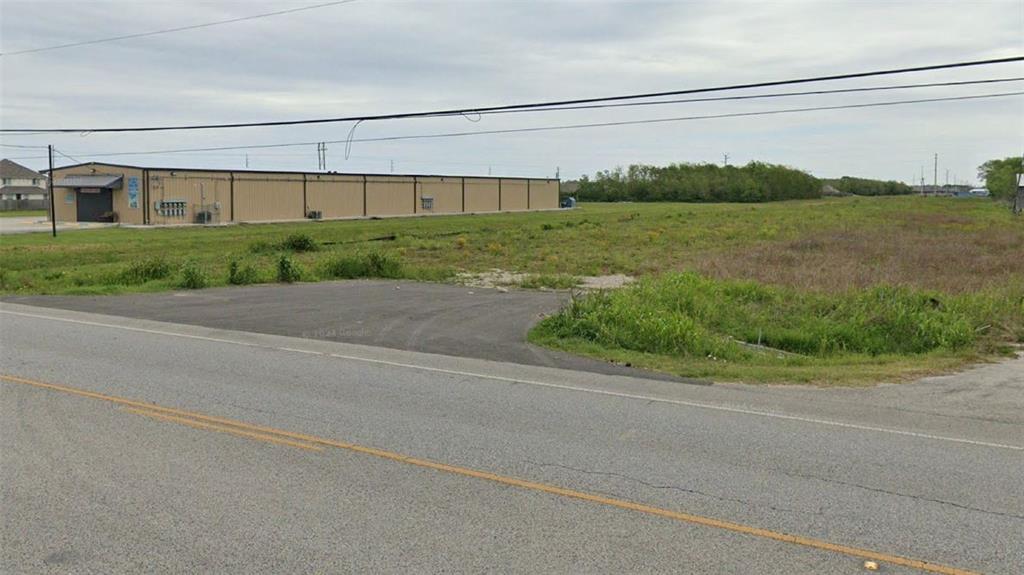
(946, 190)
(95, 192)
(20, 183)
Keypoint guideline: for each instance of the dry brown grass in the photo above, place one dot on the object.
(912, 252)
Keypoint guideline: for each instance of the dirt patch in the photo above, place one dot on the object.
(605, 282)
(498, 278)
(839, 260)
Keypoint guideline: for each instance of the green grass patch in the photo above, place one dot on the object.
(836, 279)
(697, 326)
(240, 273)
(23, 214)
(144, 270)
(371, 265)
(193, 276)
(549, 281)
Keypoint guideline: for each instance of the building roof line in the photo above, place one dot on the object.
(305, 173)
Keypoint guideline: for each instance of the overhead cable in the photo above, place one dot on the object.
(533, 105)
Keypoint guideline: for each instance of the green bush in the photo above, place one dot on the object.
(287, 270)
(193, 276)
(144, 270)
(372, 265)
(299, 243)
(690, 315)
(239, 274)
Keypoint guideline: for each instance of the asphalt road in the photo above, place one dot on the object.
(416, 316)
(413, 462)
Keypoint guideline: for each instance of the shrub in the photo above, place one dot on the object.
(193, 276)
(239, 274)
(287, 270)
(299, 243)
(372, 265)
(142, 271)
(296, 242)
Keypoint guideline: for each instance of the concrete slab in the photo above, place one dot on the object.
(27, 225)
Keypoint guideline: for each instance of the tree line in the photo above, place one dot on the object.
(868, 187)
(754, 182)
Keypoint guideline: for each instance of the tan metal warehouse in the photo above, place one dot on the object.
(141, 195)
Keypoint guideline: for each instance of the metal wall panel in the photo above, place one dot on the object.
(268, 197)
(201, 191)
(389, 196)
(513, 195)
(256, 196)
(446, 194)
(335, 196)
(481, 195)
(543, 194)
(68, 212)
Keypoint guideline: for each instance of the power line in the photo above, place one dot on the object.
(67, 156)
(534, 105)
(178, 29)
(730, 98)
(565, 126)
(777, 95)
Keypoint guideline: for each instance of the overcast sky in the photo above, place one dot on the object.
(374, 56)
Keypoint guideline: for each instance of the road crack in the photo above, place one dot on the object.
(687, 490)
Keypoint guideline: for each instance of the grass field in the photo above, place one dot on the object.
(23, 214)
(831, 250)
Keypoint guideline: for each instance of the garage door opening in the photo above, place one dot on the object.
(95, 205)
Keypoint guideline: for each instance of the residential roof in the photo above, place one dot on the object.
(166, 169)
(14, 170)
(23, 190)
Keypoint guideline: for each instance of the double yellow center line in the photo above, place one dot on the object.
(314, 443)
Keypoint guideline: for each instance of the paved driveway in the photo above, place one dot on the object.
(435, 318)
(27, 225)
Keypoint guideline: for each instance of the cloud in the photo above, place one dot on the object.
(371, 57)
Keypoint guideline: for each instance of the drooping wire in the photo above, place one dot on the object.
(533, 105)
(573, 126)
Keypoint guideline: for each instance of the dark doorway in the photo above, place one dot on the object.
(93, 205)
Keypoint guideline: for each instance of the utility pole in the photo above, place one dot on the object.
(321, 156)
(53, 204)
(935, 180)
(247, 160)
(558, 172)
(392, 166)
(725, 159)
(947, 176)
